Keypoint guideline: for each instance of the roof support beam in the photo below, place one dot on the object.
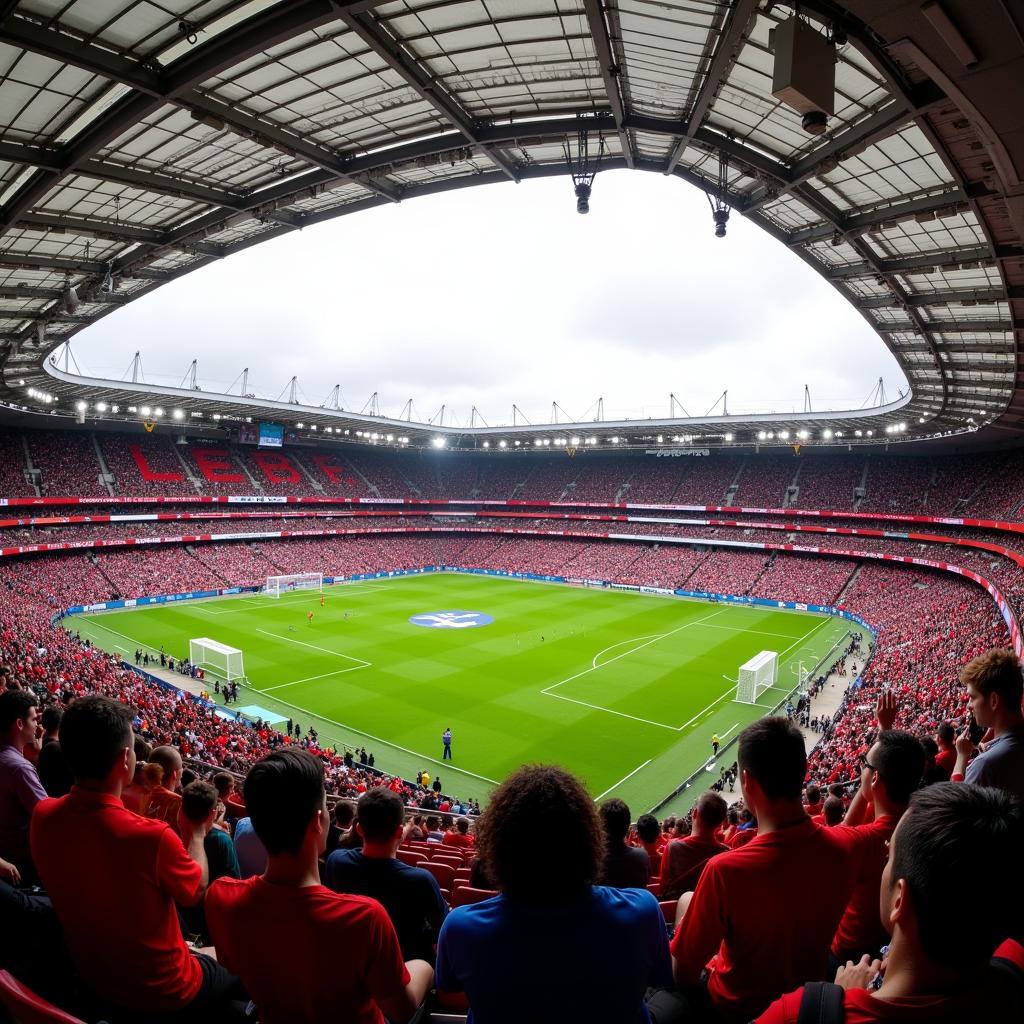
(610, 72)
(263, 30)
(49, 294)
(977, 296)
(923, 263)
(942, 204)
(400, 60)
(733, 36)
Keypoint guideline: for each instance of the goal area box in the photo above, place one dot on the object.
(216, 659)
(756, 676)
(278, 585)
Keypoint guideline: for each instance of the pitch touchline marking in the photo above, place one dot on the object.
(622, 643)
(377, 739)
(729, 730)
(309, 679)
(302, 643)
(621, 781)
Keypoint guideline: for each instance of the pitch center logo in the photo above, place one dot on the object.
(451, 620)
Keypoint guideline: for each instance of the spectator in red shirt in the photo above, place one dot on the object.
(744, 934)
(892, 773)
(164, 800)
(114, 877)
(812, 800)
(307, 954)
(684, 859)
(228, 795)
(937, 969)
(832, 811)
(945, 759)
(648, 835)
(460, 837)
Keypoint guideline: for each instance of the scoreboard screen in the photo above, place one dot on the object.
(271, 435)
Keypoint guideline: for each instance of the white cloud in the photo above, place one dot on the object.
(501, 294)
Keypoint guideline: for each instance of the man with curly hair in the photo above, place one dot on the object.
(534, 951)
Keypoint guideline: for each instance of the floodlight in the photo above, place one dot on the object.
(827, 434)
(159, 412)
(101, 406)
(574, 441)
(802, 434)
(503, 444)
(81, 406)
(761, 435)
(537, 442)
(728, 437)
(487, 444)
(547, 440)
(438, 442)
(146, 411)
(389, 438)
(178, 414)
(583, 197)
(784, 435)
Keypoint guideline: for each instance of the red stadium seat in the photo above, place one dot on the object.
(467, 894)
(25, 1007)
(411, 857)
(668, 908)
(442, 858)
(444, 873)
(654, 887)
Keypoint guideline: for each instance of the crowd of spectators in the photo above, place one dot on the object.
(67, 462)
(144, 464)
(731, 913)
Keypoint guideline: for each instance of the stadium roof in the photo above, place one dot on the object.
(142, 140)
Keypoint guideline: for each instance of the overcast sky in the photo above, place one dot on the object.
(503, 293)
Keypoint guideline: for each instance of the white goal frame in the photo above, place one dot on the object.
(278, 585)
(756, 676)
(216, 659)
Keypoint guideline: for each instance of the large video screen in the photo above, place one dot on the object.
(271, 435)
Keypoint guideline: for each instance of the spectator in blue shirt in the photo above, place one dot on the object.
(553, 945)
(995, 686)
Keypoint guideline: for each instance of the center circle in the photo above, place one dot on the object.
(451, 620)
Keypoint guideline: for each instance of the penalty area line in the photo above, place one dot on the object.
(309, 679)
(609, 711)
(622, 780)
(324, 650)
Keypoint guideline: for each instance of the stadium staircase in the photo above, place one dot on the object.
(792, 494)
(106, 477)
(769, 562)
(187, 469)
(307, 472)
(33, 477)
(370, 485)
(850, 581)
(680, 480)
(730, 493)
(242, 464)
(860, 492)
(194, 552)
(98, 566)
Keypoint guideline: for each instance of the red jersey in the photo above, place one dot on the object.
(463, 842)
(683, 863)
(306, 955)
(741, 837)
(749, 925)
(862, 1007)
(164, 805)
(860, 931)
(946, 760)
(114, 878)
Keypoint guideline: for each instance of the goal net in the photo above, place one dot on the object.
(278, 585)
(216, 659)
(756, 676)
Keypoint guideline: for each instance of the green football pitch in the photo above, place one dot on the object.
(624, 689)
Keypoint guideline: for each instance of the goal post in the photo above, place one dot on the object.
(756, 676)
(216, 659)
(278, 585)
